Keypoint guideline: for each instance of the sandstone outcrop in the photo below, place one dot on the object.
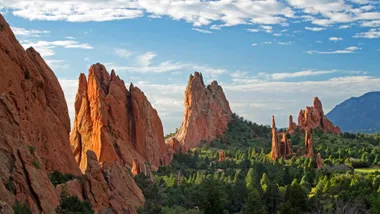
(175, 146)
(292, 125)
(207, 112)
(34, 127)
(309, 144)
(319, 161)
(222, 155)
(281, 148)
(313, 117)
(110, 187)
(275, 152)
(117, 124)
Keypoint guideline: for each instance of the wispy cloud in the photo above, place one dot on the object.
(371, 34)
(315, 28)
(348, 50)
(202, 30)
(285, 43)
(123, 53)
(46, 48)
(335, 39)
(281, 76)
(29, 32)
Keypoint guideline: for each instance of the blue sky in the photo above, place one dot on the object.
(270, 56)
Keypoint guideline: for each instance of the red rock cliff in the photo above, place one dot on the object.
(117, 124)
(34, 127)
(207, 112)
(313, 117)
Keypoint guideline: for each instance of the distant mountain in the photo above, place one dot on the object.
(358, 114)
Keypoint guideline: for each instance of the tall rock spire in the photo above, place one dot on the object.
(117, 124)
(207, 112)
(275, 153)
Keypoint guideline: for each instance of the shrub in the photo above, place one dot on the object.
(10, 185)
(36, 164)
(32, 149)
(21, 208)
(72, 205)
(58, 178)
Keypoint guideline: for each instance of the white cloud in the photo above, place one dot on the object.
(87, 59)
(253, 30)
(70, 37)
(285, 43)
(335, 39)
(281, 76)
(238, 74)
(267, 28)
(348, 50)
(123, 53)
(55, 64)
(371, 34)
(146, 59)
(267, 43)
(199, 13)
(277, 34)
(254, 44)
(46, 48)
(28, 32)
(202, 30)
(315, 28)
(344, 26)
(375, 23)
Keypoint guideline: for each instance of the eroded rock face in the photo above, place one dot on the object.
(34, 125)
(275, 152)
(117, 124)
(292, 125)
(207, 112)
(135, 167)
(319, 161)
(110, 187)
(222, 155)
(309, 144)
(313, 117)
(281, 148)
(175, 146)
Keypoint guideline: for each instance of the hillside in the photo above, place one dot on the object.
(358, 114)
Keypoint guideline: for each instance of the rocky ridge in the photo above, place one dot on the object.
(34, 141)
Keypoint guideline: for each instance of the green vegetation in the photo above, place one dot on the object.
(10, 185)
(36, 164)
(171, 134)
(372, 169)
(72, 205)
(31, 149)
(58, 178)
(21, 208)
(248, 181)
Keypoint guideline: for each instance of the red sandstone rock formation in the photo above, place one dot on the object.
(34, 140)
(309, 144)
(117, 124)
(319, 161)
(135, 167)
(207, 112)
(292, 125)
(275, 152)
(34, 125)
(175, 146)
(313, 117)
(280, 148)
(222, 155)
(110, 187)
